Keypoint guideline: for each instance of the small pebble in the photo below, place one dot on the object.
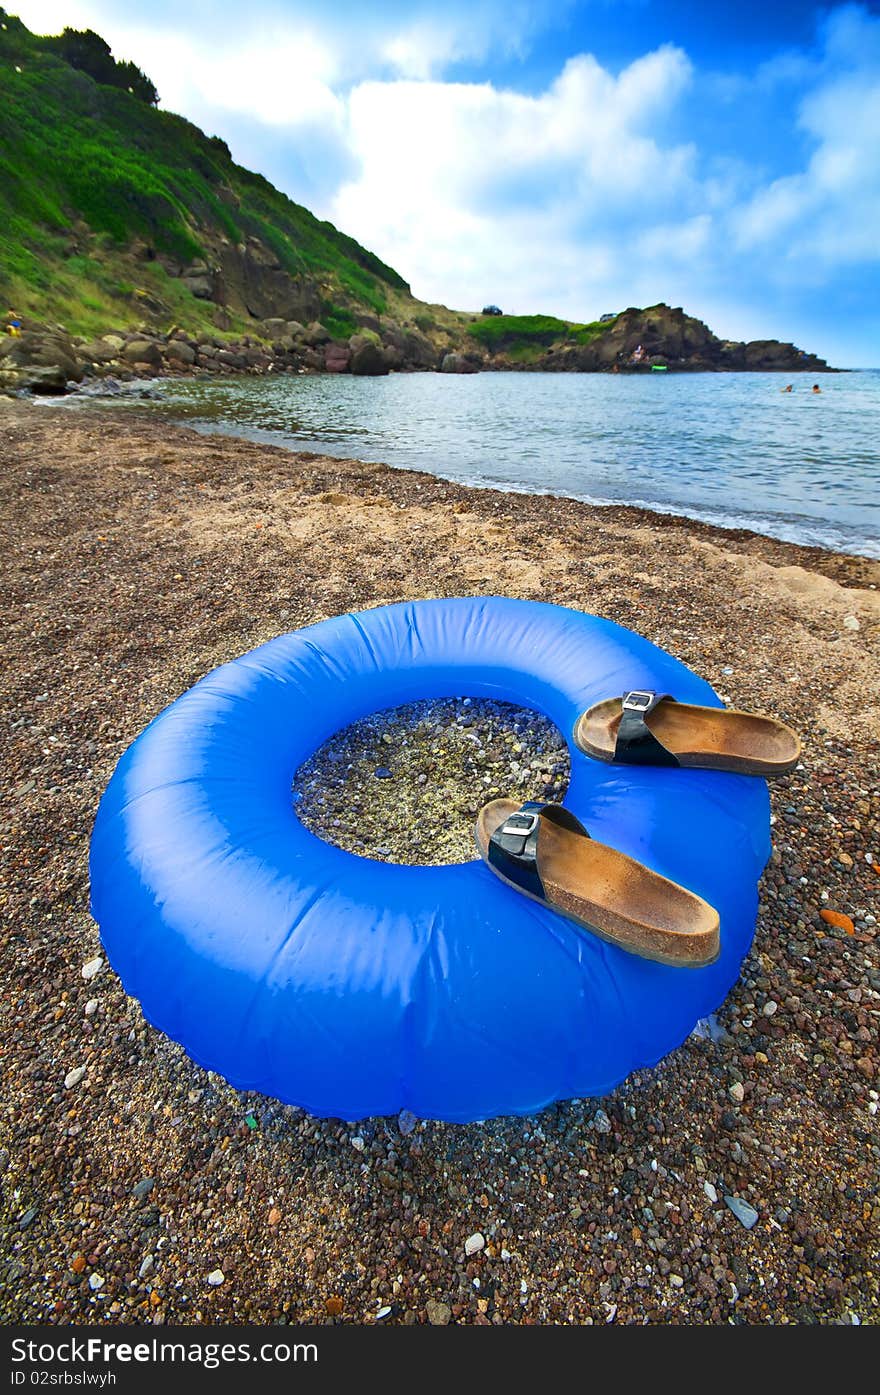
(474, 1243)
(73, 1077)
(96, 1281)
(742, 1210)
(92, 967)
(216, 1278)
(439, 1314)
(838, 920)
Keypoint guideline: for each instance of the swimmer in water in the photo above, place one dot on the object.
(816, 387)
(788, 388)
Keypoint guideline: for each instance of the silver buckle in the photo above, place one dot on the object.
(521, 831)
(639, 700)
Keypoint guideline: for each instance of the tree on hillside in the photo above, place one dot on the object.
(137, 83)
(87, 51)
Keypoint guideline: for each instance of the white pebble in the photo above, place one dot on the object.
(358, 1143)
(216, 1278)
(96, 1281)
(710, 1192)
(736, 1091)
(383, 1313)
(474, 1243)
(146, 1266)
(73, 1077)
(850, 622)
(769, 1008)
(676, 1280)
(91, 1007)
(92, 967)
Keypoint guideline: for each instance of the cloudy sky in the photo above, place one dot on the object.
(565, 156)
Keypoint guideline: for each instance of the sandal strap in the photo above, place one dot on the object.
(636, 744)
(513, 847)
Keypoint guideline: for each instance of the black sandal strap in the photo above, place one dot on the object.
(636, 744)
(513, 847)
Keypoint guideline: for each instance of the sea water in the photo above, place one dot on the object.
(733, 449)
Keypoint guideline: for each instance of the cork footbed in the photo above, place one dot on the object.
(612, 895)
(716, 738)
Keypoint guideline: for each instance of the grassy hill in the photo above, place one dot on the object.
(103, 195)
(107, 202)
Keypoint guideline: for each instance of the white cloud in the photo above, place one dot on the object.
(286, 78)
(427, 45)
(829, 212)
(491, 192)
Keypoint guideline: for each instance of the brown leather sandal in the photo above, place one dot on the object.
(648, 728)
(544, 852)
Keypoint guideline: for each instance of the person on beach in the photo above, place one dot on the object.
(13, 323)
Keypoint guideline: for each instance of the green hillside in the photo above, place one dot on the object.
(103, 196)
(523, 338)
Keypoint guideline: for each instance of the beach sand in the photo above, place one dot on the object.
(138, 556)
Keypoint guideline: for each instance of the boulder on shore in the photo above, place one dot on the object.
(337, 357)
(180, 352)
(458, 363)
(368, 359)
(142, 351)
(42, 358)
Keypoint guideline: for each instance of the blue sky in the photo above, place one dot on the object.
(571, 157)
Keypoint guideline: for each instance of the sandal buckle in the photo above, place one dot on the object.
(521, 824)
(639, 700)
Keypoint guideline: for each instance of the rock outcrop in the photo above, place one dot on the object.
(44, 358)
(662, 336)
(247, 278)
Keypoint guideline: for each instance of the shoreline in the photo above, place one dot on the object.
(809, 553)
(45, 358)
(140, 555)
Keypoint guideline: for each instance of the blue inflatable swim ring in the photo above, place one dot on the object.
(352, 987)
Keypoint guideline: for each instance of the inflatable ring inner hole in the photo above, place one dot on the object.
(405, 784)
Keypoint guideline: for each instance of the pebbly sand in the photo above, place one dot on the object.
(136, 557)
